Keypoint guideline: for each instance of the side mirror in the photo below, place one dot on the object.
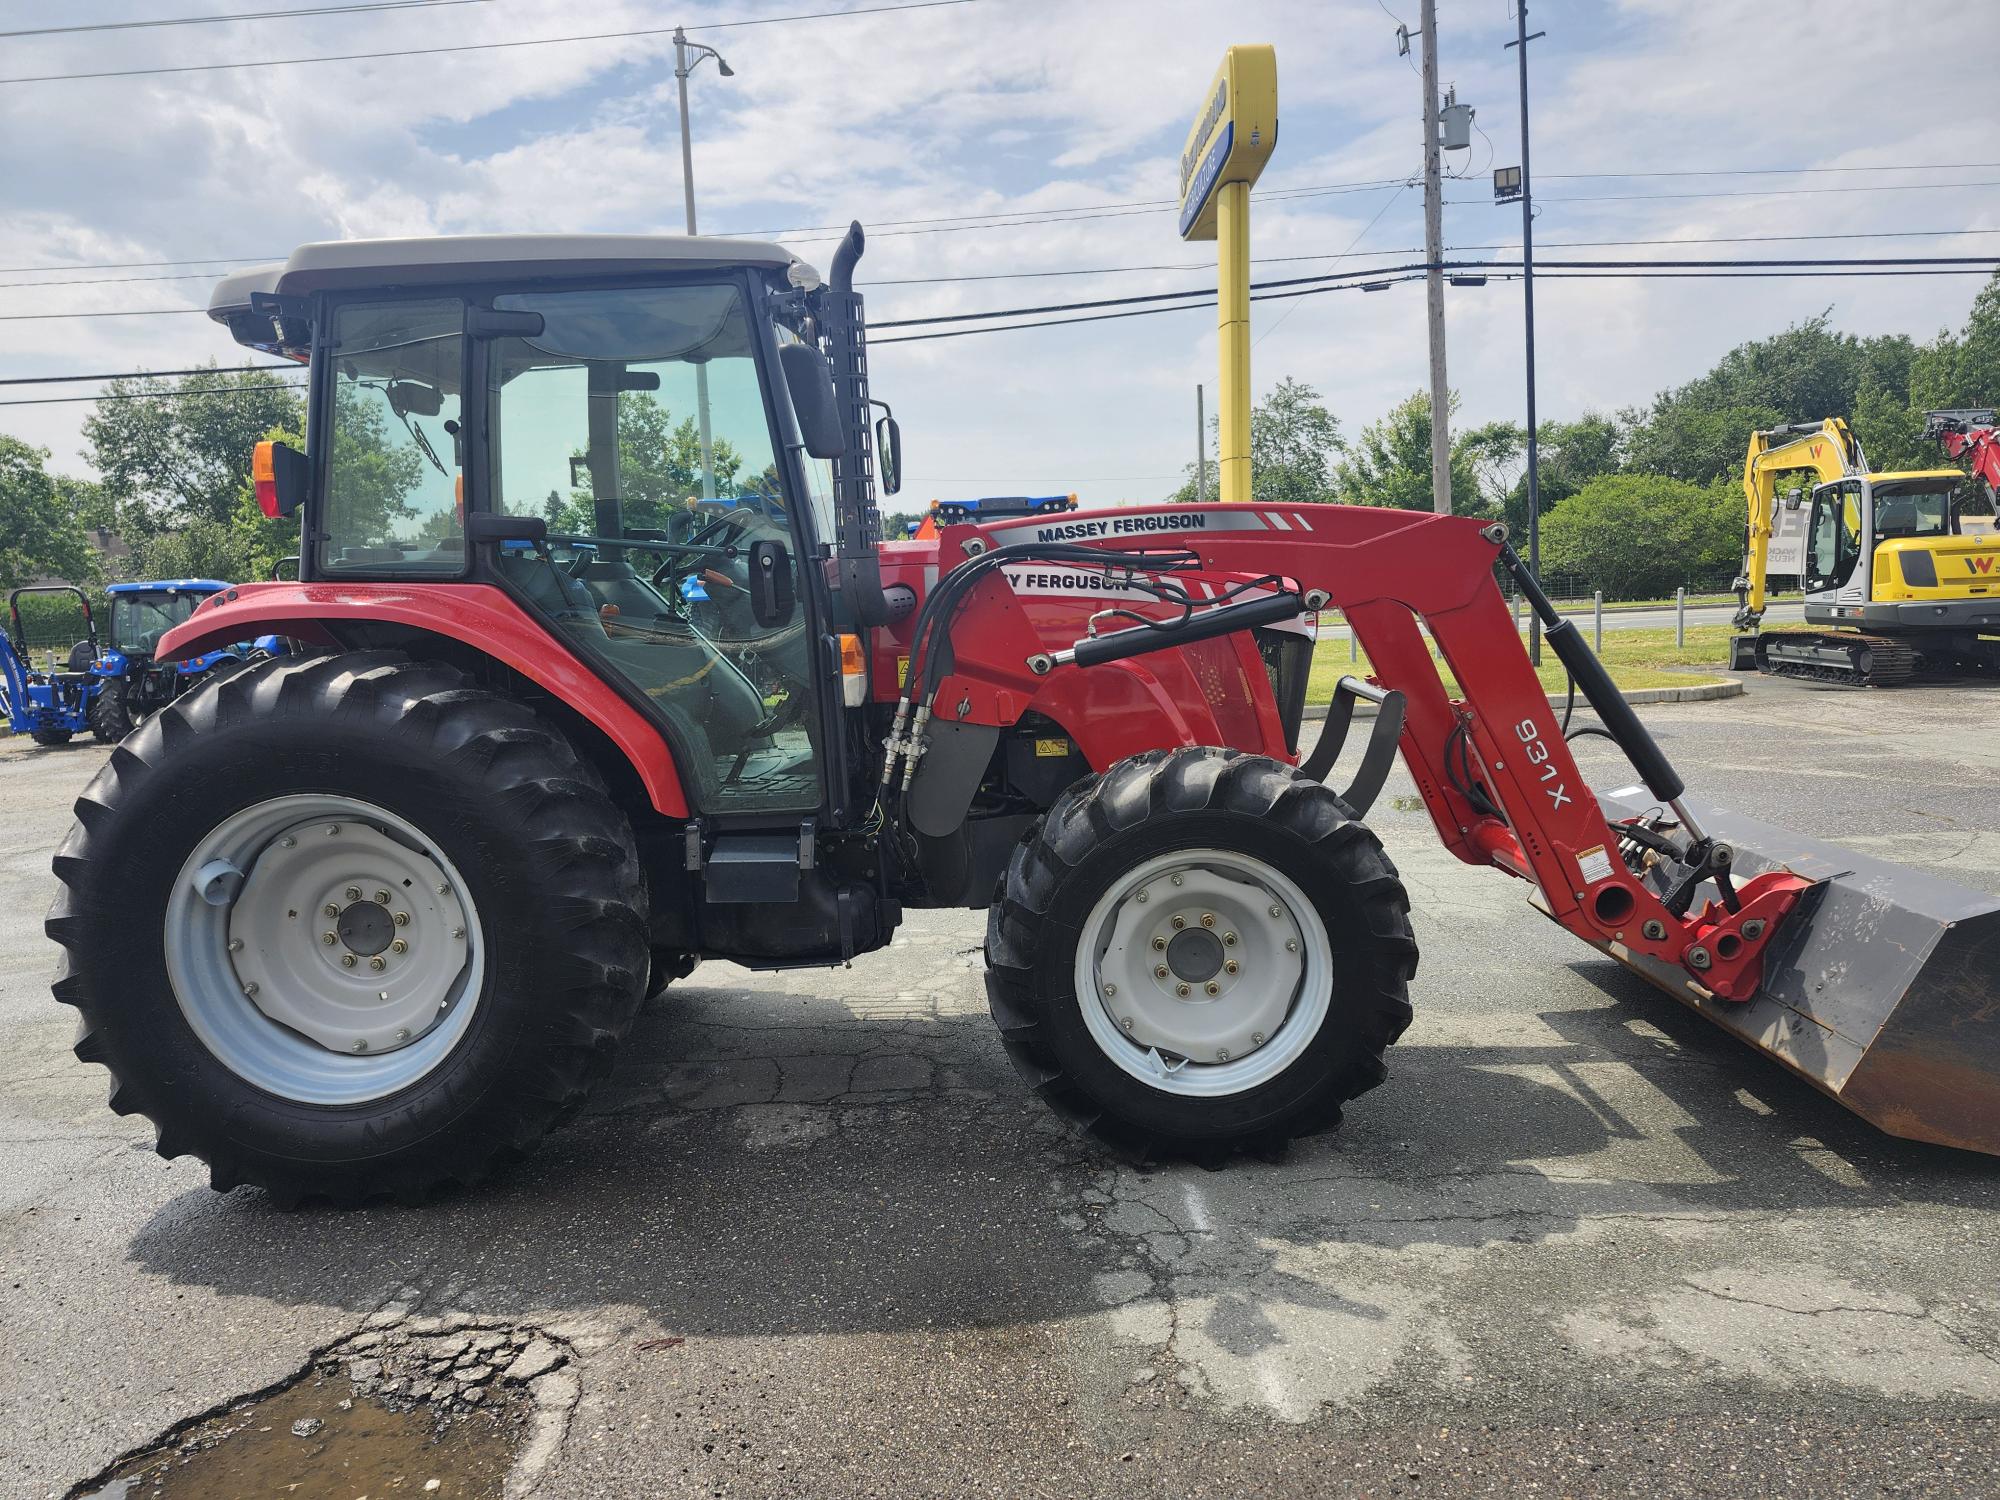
(889, 455)
(810, 381)
(772, 596)
(279, 473)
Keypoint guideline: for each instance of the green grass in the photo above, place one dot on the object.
(1636, 658)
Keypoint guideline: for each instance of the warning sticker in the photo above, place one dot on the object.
(1053, 747)
(1595, 864)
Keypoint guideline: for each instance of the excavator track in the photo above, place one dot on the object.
(1840, 656)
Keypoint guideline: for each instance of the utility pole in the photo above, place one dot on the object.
(1434, 274)
(682, 67)
(1200, 448)
(1520, 42)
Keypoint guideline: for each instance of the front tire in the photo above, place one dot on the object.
(1197, 952)
(49, 736)
(251, 820)
(110, 714)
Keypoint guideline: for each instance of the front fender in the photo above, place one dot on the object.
(480, 615)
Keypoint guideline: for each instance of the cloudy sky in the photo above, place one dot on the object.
(1044, 134)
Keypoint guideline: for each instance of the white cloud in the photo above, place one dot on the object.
(1005, 106)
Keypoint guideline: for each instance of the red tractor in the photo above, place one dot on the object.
(601, 668)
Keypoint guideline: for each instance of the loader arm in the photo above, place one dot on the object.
(1828, 448)
(1492, 766)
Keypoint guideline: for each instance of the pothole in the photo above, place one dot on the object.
(420, 1409)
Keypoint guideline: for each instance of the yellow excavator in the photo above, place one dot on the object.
(1900, 571)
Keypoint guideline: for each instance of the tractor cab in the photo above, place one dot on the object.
(596, 426)
(143, 612)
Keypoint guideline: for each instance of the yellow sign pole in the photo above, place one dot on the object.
(1232, 138)
(1232, 334)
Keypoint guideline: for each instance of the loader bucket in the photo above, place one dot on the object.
(1881, 988)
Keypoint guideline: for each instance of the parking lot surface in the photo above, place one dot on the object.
(814, 1238)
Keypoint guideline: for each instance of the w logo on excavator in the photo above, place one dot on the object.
(1979, 564)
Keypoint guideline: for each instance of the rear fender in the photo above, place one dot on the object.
(479, 615)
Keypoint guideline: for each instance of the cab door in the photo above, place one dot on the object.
(1833, 547)
(635, 424)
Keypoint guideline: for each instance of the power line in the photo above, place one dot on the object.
(144, 374)
(1875, 187)
(1932, 166)
(254, 15)
(540, 41)
(219, 390)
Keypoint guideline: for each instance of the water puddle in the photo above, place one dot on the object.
(409, 1412)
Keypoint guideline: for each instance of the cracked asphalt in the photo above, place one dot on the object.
(814, 1238)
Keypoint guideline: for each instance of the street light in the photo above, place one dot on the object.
(683, 67)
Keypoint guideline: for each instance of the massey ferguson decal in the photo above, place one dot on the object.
(1162, 522)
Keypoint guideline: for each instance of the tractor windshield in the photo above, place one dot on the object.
(139, 620)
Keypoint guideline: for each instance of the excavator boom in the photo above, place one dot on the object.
(1731, 929)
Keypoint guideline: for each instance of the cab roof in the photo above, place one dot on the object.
(338, 265)
(170, 586)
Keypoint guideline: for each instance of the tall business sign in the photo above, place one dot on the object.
(1233, 137)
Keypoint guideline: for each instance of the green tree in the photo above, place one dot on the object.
(1391, 463)
(1293, 440)
(171, 450)
(1962, 369)
(42, 533)
(1643, 535)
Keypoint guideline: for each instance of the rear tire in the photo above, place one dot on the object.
(465, 783)
(110, 715)
(1324, 945)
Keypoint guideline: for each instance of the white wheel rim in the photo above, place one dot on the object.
(341, 1022)
(1204, 1029)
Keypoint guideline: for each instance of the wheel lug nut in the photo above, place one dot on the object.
(1256, 1038)
(399, 946)
(1230, 966)
(1211, 988)
(444, 890)
(1176, 880)
(1159, 943)
(333, 828)
(1179, 923)
(1222, 1054)
(402, 919)
(378, 963)
(458, 932)
(1180, 989)
(1126, 1022)
(1291, 945)
(1229, 939)
(236, 945)
(1159, 971)
(381, 898)
(328, 938)
(1143, 898)
(360, 1044)
(347, 960)
(353, 893)
(402, 1033)
(1277, 911)
(1111, 989)
(330, 909)
(250, 989)
(1208, 919)
(288, 843)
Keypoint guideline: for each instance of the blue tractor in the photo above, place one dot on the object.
(54, 703)
(132, 682)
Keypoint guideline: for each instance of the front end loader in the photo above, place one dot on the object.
(372, 917)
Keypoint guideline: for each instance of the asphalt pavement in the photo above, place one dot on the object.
(815, 1239)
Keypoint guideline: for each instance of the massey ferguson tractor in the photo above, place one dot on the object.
(371, 917)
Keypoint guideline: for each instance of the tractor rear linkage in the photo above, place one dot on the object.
(1493, 767)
